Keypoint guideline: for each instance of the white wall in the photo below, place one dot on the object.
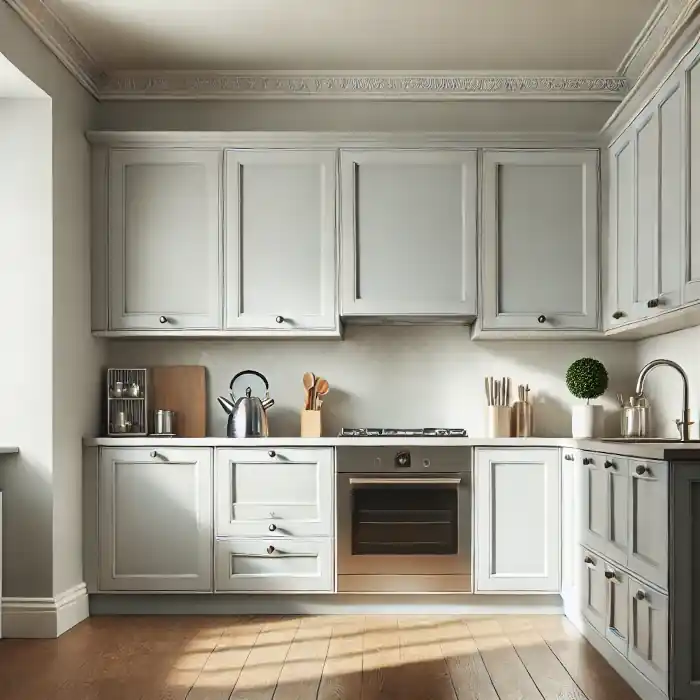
(389, 376)
(72, 377)
(663, 386)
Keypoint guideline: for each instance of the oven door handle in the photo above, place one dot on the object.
(443, 481)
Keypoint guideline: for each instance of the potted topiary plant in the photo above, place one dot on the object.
(587, 379)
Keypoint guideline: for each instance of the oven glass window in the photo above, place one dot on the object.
(404, 519)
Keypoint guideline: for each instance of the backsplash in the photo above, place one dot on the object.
(389, 376)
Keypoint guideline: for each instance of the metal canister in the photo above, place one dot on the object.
(164, 422)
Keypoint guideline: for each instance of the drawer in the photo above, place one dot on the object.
(593, 590)
(274, 493)
(617, 609)
(273, 565)
(648, 632)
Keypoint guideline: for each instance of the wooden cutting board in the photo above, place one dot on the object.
(183, 389)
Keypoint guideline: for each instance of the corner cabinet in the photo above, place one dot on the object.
(155, 519)
(518, 521)
(408, 233)
(281, 240)
(163, 241)
(539, 242)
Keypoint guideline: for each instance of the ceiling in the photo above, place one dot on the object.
(356, 35)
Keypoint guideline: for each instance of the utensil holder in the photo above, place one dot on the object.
(498, 421)
(311, 424)
(522, 419)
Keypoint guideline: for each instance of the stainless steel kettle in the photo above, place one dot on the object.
(247, 415)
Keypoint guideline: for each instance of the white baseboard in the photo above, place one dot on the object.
(324, 604)
(44, 618)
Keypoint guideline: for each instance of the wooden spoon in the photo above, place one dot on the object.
(322, 388)
(309, 381)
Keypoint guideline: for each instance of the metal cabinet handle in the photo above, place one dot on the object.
(541, 318)
(641, 469)
(652, 303)
(445, 481)
(609, 575)
(610, 465)
(569, 457)
(270, 549)
(587, 461)
(280, 319)
(163, 319)
(588, 561)
(272, 527)
(640, 595)
(154, 454)
(272, 453)
(618, 315)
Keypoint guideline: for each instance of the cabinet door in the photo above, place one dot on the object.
(281, 240)
(648, 633)
(155, 519)
(622, 230)
(274, 493)
(617, 607)
(408, 226)
(691, 252)
(595, 511)
(274, 565)
(164, 239)
(648, 521)
(517, 520)
(594, 593)
(617, 470)
(539, 265)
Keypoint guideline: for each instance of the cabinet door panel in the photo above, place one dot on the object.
(155, 519)
(164, 239)
(618, 494)
(518, 520)
(647, 219)
(648, 521)
(692, 249)
(594, 593)
(408, 232)
(281, 239)
(595, 510)
(616, 630)
(648, 637)
(539, 207)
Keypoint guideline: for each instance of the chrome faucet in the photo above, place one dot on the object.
(683, 424)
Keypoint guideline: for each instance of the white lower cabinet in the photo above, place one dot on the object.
(155, 519)
(517, 544)
(274, 565)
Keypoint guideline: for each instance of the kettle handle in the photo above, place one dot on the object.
(250, 371)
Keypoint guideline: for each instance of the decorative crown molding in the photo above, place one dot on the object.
(59, 39)
(284, 85)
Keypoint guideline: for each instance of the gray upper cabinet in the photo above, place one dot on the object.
(408, 231)
(281, 241)
(691, 271)
(539, 241)
(164, 239)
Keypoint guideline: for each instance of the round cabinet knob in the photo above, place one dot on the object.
(270, 549)
(587, 461)
(609, 575)
(569, 457)
(610, 465)
(652, 303)
(272, 527)
(272, 453)
(640, 595)
(588, 560)
(163, 319)
(541, 318)
(280, 319)
(618, 315)
(154, 454)
(641, 469)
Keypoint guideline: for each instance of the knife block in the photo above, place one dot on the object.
(311, 424)
(498, 421)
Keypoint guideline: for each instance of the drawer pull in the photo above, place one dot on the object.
(610, 575)
(610, 465)
(270, 549)
(641, 469)
(587, 461)
(569, 457)
(588, 561)
(272, 527)
(640, 595)
(272, 453)
(618, 315)
(154, 454)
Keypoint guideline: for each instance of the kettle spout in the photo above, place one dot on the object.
(225, 404)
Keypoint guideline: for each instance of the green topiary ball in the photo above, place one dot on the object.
(587, 378)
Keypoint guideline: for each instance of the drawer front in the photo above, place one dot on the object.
(616, 620)
(273, 565)
(274, 493)
(648, 632)
(648, 521)
(594, 501)
(593, 590)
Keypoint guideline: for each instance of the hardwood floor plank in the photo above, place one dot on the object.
(596, 678)
(550, 677)
(261, 671)
(381, 659)
(508, 674)
(342, 672)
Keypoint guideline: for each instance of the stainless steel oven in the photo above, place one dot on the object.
(404, 519)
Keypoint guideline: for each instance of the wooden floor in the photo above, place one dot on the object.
(304, 658)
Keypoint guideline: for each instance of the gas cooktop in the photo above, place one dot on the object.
(403, 432)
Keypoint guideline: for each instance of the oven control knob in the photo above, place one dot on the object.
(403, 459)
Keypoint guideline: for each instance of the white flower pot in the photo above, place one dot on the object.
(584, 421)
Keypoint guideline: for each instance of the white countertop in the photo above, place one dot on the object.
(641, 450)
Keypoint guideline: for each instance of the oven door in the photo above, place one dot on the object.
(391, 525)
